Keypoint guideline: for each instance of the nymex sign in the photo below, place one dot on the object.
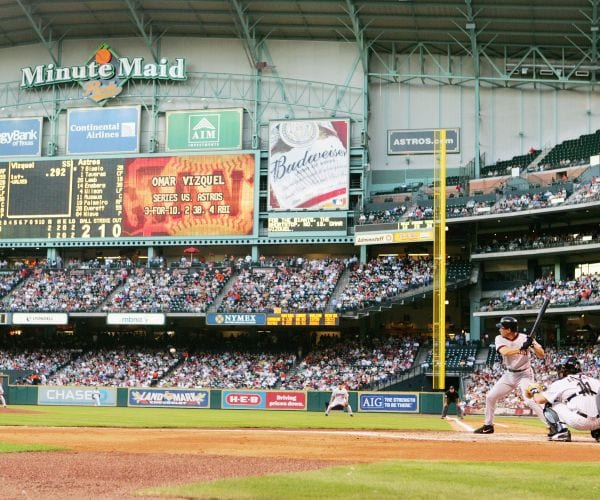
(104, 74)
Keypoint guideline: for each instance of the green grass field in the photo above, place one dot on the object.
(389, 479)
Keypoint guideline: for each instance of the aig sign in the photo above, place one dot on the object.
(404, 142)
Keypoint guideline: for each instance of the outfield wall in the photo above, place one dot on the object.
(231, 399)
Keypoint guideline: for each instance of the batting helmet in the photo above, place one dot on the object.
(508, 322)
(570, 366)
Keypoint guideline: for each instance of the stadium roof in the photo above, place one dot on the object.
(566, 30)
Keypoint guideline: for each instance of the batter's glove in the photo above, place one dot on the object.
(527, 344)
(532, 389)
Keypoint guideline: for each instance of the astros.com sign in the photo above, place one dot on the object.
(421, 141)
(103, 76)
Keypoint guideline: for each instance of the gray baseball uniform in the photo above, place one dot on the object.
(518, 374)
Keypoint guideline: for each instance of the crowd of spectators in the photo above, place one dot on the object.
(504, 201)
(38, 361)
(293, 284)
(306, 286)
(59, 290)
(383, 216)
(586, 193)
(512, 243)
(359, 366)
(382, 279)
(229, 370)
(169, 290)
(141, 367)
(9, 280)
(584, 290)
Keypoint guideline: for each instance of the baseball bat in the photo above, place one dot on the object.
(540, 315)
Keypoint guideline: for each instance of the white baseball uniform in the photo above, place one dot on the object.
(573, 398)
(518, 374)
(339, 397)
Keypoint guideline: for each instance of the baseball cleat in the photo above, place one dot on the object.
(561, 436)
(596, 434)
(484, 429)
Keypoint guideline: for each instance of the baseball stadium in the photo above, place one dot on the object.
(299, 249)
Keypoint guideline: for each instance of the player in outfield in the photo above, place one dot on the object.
(339, 400)
(514, 348)
(573, 399)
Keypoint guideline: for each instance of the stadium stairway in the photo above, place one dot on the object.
(339, 288)
(538, 159)
(214, 307)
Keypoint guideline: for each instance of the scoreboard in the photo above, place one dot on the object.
(201, 195)
(303, 319)
(308, 223)
(277, 318)
(61, 199)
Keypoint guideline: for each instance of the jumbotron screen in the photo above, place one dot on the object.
(200, 195)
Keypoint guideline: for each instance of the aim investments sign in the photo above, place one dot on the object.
(105, 73)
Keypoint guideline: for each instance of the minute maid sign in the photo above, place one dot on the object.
(105, 73)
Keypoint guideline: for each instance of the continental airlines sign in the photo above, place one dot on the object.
(103, 76)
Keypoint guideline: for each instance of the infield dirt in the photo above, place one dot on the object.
(114, 463)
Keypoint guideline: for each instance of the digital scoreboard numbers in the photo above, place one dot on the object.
(95, 198)
(74, 198)
(303, 319)
(308, 224)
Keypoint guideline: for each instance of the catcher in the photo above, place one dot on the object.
(574, 400)
(339, 400)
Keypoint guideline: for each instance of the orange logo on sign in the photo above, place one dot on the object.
(102, 89)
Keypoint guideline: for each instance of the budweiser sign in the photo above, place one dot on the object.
(309, 164)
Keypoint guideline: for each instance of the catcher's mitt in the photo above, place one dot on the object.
(532, 389)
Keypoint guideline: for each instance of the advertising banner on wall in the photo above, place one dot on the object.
(169, 398)
(309, 164)
(21, 137)
(404, 142)
(19, 318)
(135, 319)
(204, 130)
(249, 319)
(389, 402)
(77, 396)
(263, 400)
(103, 130)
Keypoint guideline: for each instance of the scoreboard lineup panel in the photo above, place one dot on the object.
(199, 195)
(306, 223)
(303, 319)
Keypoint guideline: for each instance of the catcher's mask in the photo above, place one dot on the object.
(570, 366)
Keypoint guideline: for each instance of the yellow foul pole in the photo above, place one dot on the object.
(439, 260)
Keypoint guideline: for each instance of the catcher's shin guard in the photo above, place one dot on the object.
(553, 420)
